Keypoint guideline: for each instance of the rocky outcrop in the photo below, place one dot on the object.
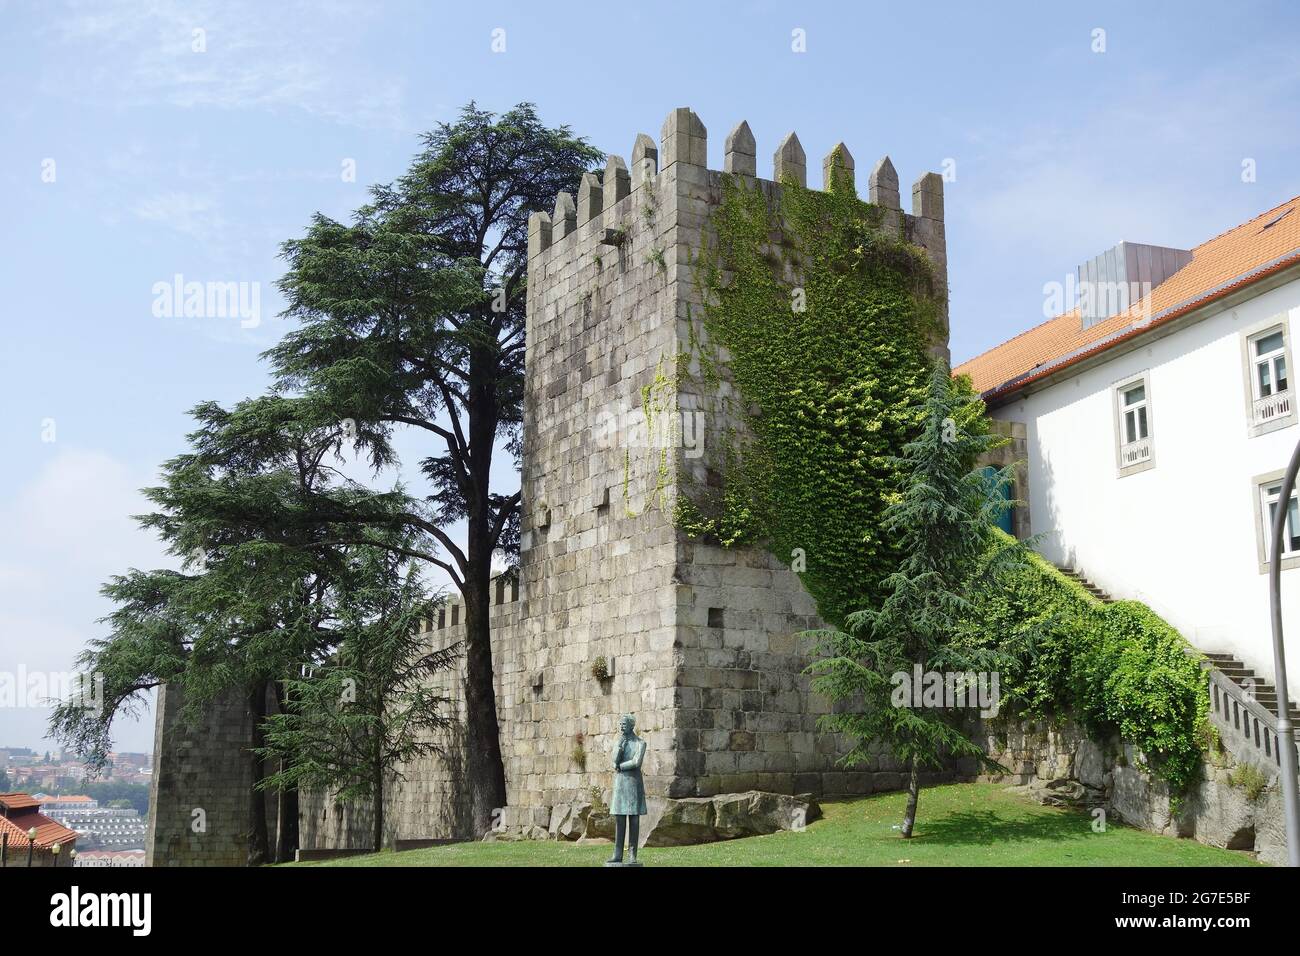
(690, 820)
(568, 820)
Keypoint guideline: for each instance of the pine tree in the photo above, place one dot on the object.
(412, 319)
(256, 598)
(945, 523)
(351, 722)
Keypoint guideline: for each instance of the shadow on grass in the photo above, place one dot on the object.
(986, 827)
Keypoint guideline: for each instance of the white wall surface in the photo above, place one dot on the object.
(1180, 536)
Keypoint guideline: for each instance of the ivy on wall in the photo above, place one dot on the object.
(825, 315)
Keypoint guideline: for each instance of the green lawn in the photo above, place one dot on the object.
(958, 825)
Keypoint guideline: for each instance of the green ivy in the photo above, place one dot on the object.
(1119, 668)
(827, 329)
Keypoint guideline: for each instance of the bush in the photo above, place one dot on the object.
(1038, 606)
(1138, 680)
(1119, 668)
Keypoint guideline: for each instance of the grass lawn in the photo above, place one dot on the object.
(958, 825)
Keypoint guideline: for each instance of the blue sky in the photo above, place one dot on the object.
(170, 160)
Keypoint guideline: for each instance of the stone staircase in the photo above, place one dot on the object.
(1243, 707)
(1087, 585)
(1243, 703)
(1250, 683)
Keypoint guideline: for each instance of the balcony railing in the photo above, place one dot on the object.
(1272, 406)
(1135, 452)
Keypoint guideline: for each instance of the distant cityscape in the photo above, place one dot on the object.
(109, 811)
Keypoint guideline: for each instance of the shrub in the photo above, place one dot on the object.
(1119, 668)
(1136, 678)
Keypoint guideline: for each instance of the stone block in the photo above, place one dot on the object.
(739, 152)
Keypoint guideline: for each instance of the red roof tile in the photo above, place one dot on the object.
(18, 801)
(1236, 258)
(48, 832)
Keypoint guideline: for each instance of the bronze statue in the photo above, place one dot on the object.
(627, 805)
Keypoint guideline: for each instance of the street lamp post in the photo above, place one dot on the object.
(55, 850)
(1285, 734)
(31, 844)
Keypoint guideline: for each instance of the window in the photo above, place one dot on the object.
(1135, 413)
(1291, 534)
(1266, 360)
(1268, 493)
(1133, 425)
(1270, 365)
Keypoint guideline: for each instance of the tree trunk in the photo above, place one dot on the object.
(484, 771)
(286, 823)
(258, 841)
(485, 774)
(913, 791)
(377, 835)
(286, 828)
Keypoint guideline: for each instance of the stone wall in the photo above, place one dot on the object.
(200, 790)
(703, 639)
(1057, 764)
(424, 800)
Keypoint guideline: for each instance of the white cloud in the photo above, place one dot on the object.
(187, 213)
(254, 56)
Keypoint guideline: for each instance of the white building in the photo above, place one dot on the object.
(104, 828)
(1158, 420)
(110, 858)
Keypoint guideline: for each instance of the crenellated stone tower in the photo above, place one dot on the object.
(698, 641)
(701, 637)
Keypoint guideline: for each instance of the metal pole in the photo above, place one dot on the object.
(1285, 736)
(4, 849)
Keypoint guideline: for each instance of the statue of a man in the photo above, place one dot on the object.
(627, 805)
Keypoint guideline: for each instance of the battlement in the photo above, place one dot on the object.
(503, 592)
(683, 140)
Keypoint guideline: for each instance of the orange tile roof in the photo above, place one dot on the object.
(18, 801)
(48, 832)
(1229, 261)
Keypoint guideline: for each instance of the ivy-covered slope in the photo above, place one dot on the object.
(1117, 668)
